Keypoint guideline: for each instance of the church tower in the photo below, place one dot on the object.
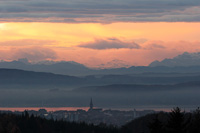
(91, 105)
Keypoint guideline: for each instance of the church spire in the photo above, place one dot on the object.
(91, 104)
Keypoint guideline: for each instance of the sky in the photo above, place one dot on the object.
(91, 32)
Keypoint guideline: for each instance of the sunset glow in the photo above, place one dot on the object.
(99, 66)
(64, 41)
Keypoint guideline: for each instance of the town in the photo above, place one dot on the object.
(93, 115)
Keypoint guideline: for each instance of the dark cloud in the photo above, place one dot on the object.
(99, 11)
(35, 53)
(110, 43)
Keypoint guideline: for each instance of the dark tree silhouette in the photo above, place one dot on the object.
(177, 122)
(195, 124)
(11, 123)
(162, 122)
(156, 126)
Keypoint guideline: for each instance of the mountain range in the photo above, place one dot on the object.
(185, 63)
(62, 67)
(71, 84)
(185, 60)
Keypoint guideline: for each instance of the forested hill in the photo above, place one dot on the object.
(176, 121)
(10, 123)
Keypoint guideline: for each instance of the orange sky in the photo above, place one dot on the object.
(93, 43)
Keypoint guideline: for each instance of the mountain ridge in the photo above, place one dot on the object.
(185, 60)
(76, 69)
(15, 78)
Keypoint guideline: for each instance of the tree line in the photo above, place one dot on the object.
(176, 121)
(12, 123)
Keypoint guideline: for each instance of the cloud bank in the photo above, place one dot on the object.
(104, 11)
(110, 43)
(35, 53)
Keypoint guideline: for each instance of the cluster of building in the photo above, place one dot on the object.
(93, 115)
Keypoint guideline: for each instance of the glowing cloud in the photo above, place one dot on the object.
(110, 43)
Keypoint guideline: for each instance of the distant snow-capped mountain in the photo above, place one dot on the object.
(185, 59)
(114, 64)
